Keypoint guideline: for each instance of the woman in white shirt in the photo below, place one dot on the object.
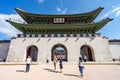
(81, 66)
(28, 61)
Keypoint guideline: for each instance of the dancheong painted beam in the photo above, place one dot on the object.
(60, 28)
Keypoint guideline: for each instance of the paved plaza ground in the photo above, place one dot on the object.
(70, 72)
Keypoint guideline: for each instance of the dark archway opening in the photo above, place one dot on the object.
(86, 51)
(32, 51)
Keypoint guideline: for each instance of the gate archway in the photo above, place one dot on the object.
(87, 51)
(59, 50)
(32, 51)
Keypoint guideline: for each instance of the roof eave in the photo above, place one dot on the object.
(90, 14)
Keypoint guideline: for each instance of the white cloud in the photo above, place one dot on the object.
(115, 12)
(6, 28)
(61, 11)
(115, 9)
(40, 1)
(118, 13)
(64, 11)
(58, 9)
(61, 1)
(107, 14)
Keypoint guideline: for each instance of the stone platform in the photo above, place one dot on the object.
(44, 71)
(66, 63)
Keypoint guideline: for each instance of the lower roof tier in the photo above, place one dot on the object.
(59, 28)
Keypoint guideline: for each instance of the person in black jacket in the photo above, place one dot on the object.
(60, 64)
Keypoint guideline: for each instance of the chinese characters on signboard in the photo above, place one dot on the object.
(58, 20)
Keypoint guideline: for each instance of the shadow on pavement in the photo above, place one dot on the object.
(20, 71)
(73, 75)
(51, 70)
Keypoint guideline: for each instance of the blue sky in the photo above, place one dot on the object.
(111, 9)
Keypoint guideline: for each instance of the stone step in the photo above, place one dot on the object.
(65, 63)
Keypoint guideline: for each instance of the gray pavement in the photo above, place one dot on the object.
(70, 72)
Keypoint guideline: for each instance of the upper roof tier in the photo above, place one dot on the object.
(31, 18)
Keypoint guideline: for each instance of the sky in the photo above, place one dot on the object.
(111, 10)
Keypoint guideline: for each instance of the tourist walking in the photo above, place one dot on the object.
(28, 61)
(47, 59)
(85, 58)
(60, 64)
(55, 61)
(81, 66)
